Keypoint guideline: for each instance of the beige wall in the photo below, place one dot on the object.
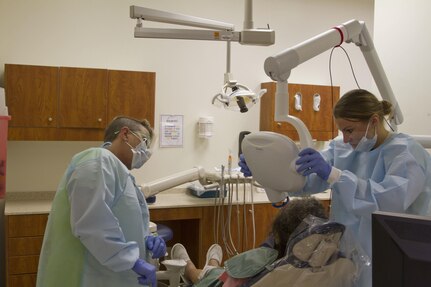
(402, 37)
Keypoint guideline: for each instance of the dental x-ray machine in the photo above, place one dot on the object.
(267, 154)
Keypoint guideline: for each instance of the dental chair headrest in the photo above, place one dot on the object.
(313, 246)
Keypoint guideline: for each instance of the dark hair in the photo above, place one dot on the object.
(117, 123)
(291, 216)
(360, 105)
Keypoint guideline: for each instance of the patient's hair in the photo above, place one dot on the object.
(290, 216)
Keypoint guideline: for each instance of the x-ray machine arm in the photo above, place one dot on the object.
(278, 67)
(207, 179)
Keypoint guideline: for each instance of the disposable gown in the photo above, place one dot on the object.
(97, 226)
(395, 177)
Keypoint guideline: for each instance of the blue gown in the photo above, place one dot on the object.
(395, 177)
(97, 225)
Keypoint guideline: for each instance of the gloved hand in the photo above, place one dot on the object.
(311, 161)
(244, 167)
(157, 245)
(146, 271)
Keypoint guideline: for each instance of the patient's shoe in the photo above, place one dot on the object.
(178, 251)
(214, 252)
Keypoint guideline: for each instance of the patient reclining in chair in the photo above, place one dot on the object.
(303, 249)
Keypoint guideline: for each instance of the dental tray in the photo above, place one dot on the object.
(199, 191)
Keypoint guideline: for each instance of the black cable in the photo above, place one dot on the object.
(351, 67)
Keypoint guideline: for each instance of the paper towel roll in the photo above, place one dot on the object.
(3, 108)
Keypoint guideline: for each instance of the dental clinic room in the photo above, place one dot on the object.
(215, 143)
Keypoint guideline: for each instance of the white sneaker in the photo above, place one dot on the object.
(178, 251)
(214, 252)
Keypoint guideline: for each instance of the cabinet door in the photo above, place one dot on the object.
(31, 95)
(131, 94)
(320, 123)
(82, 99)
(264, 215)
(24, 236)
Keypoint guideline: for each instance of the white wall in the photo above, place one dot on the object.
(402, 37)
(99, 33)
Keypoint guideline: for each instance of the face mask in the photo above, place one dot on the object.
(366, 144)
(141, 154)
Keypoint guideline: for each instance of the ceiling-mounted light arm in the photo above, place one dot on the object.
(233, 84)
(211, 29)
(154, 15)
(228, 75)
(248, 15)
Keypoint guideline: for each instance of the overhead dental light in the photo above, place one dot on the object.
(233, 95)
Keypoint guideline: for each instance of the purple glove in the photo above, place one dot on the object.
(244, 167)
(311, 161)
(146, 271)
(157, 245)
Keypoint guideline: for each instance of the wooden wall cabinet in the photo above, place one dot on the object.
(65, 103)
(320, 123)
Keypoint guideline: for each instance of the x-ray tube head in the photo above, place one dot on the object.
(271, 158)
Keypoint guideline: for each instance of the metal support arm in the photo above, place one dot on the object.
(278, 67)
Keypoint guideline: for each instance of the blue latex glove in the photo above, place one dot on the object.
(311, 161)
(146, 271)
(157, 245)
(244, 167)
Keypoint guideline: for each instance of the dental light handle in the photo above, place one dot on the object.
(241, 104)
(282, 115)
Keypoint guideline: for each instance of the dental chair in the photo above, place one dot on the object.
(313, 258)
(316, 255)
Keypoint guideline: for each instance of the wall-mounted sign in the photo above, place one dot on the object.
(171, 130)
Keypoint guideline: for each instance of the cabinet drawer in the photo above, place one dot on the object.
(25, 280)
(26, 225)
(24, 246)
(23, 264)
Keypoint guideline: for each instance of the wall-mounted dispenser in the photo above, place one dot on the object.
(205, 127)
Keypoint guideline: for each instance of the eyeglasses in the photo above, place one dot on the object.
(140, 136)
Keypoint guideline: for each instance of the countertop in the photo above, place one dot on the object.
(39, 202)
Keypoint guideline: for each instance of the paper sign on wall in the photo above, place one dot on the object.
(171, 131)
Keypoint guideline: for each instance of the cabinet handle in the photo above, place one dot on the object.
(99, 120)
(298, 101)
(279, 124)
(316, 102)
(49, 119)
